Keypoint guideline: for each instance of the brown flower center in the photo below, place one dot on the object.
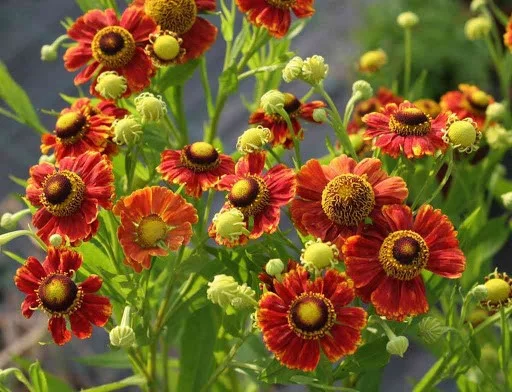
(250, 195)
(177, 16)
(70, 127)
(410, 121)
(404, 254)
(311, 315)
(113, 46)
(348, 199)
(57, 293)
(63, 193)
(200, 157)
(283, 4)
(151, 230)
(291, 103)
(364, 108)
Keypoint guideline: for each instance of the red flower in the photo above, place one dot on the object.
(154, 220)
(333, 201)
(301, 316)
(275, 15)
(469, 101)
(83, 127)
(267, 281)
(108, 44)
(258, 196)
(385, 262)
(50, 287)
(405, 128)
(68, 198)
(199, 166)
(181, 17)
(281, 134)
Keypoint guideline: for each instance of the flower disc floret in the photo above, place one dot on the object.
(63, 193)
(113, 46)
(410, 121)
(499, 291)
(311, 315)
(151, 230)
(462, 134)
(250, 195)
(200, 157)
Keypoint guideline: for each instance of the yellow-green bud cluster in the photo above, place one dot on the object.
(56, 240)
(293, 70)
(111, 85)
(254, 139)
(477, 28)
(363, 88)
(127, 130)
(407, 20)
(150, 107)
(272, 101)
(318, 255)
(230, 224)
(314, 70)
(225, 291)
(495, 111)
(274, 267)
(397, 345)
(430, 329)
(506, 198)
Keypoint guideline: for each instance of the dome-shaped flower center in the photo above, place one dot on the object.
(348, 199)
(283, 4)
(166, 47)
(311, 315)
(200, 157)
(403, 254)
(250, 195)
(58, 293)
(291, 103)
(63, 193)
(462, 133)
(497, 290)
(113, 46)
(410, 121)
(177, 16)
(478, 100)
(151, 229)
(70, 127)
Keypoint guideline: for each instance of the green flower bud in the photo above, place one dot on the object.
(274, 267)
(272, 101)
(127, 130)
(477, 4)
(495, 111)
(357, 141)
(462, 134)
(498, 137)
(56, 240)
(230, 224)
(398, 346)
(506, 198)
(318, 255)
(320, 115)
(222, 290)
(10, 221)
(150, 108)
(244, 297)
(48, 53)
(110, 85)
(123, 335)
(477, 28)
(431, 329)
(314, 70)
(47, 159)
(480, 292)
(407, 20)
(363, 88)
(253, 139)
(293, 69)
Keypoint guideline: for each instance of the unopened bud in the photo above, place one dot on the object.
(111, 85)
(56, 240)
(363, 88)
(320, 115)
(431, 329)
(150, 107)
(398, 345)
(293, 70)
(314, 70)
(253, 139)
(407, 20)
(274, 267)
(272, 101)
(127, 130)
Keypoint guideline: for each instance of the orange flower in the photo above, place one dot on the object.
(258, 196)
(406, 129)
(281, 134)
(68, 198)
(198, 165)
(181, 18)
(333, 201)
(50, 287)
(275, 15)
(83, 127)
(386, 260)
(108, 44)
(154, 221)
(302, 316)
(507, 37)
(469, 101)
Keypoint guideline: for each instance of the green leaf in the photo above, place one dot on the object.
(86, 5)
(112, 360)
(114, 386)
(16, 98)
(177, 75)
(369, 356)
(228, 80)
(37, 377)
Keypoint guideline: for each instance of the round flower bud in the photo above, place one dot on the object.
(244, 297)
(230, 224)
(480, 292)
(48, 53)
(47, 159)
(462, 134)
(372, 61)
(110, 85)
(122, 337)
(498, 137)
(149, 107)
(506, 198)
(272, 101)
(407, 20)
(166, 47)
(7, 222)
(56, 240)
(398, 346)
(318, 255)
(127, 130)
(320, 115)
(222, 290)
(314, 69)
(431, 329)
(497, 290)
(293, 70)
(495, 111)
(477, 4)
(274, 267)
(477, 28)
(363, 88)
(253, 139)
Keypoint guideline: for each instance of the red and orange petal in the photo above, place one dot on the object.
(337, 337)
(281, 134)
(154, 221)
(275, 15)
(88, 185)
(136, 67)
(409, 141)
(507, 37)
(279, 184)
(393, 297)
(201, 35)
(85, 309)
(461, 103)
(307, 212)
(175, 168)
(267, 281)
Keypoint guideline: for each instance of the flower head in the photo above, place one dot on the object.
(469, 101)
(253, 139)
(154, 221)
(478, 28)
(293, 69)
(51, 287)
(274, 267)
(499, 291)
(462, 134)
(314, 70)
(110, 85)
(106, 43)
(373, 61)
(397, 345)
(431, 329)
(68, 198)
(198, 165)
(165, 48)
(127, 130)
(405, 129)
(272, 101)
(150, 107)
(498, 137)
(385, 261)
(302, 316)
(363, 89)
(496, 111)
(228, 226)
(318, 255)
(407, 20)
(225, 291)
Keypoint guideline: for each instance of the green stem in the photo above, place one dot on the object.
(432, 377)
(490, 321)
(408, 61)
(114, 386)
(296, 142)
(206, 86)
(505, 348)
(445, 179)
(500, 15)
(431, 177)
(181, 117)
